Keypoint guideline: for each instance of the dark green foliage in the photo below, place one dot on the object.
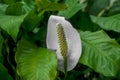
(23, 29)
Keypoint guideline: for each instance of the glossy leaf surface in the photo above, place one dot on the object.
(34, 63)
(100, 52)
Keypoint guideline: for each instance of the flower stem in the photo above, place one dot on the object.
(65, 66)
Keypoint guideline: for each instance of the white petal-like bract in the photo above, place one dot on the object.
(72, 38)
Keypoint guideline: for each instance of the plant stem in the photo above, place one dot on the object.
(65, 65)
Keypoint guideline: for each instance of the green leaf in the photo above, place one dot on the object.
(14, 9)
(115, 8)
(73, 7)
(11, 24)
(100, 52)
(34, 63)
(44, 5)
(3, 8)
(31, 21)
(29, 2)
(83, 22)
(4, 73)
(54, 1)
(97, 6)
(1, 42)
(8, 1)
(108, 23)
(28, 5)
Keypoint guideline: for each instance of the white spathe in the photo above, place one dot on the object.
(72, 38)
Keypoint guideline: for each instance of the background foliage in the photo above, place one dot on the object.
(23, 26)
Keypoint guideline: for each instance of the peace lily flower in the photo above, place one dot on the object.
(65, 40)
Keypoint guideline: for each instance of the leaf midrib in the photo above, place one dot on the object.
(100, 51)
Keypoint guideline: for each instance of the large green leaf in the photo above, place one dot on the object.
(44, 5)
(73, 7)
(34, 63)
(100, 52)
(108, 23)
(11, 24)
(4, 73)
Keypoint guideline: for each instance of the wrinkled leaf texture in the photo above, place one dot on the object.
(100, 52)
(34, 63)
